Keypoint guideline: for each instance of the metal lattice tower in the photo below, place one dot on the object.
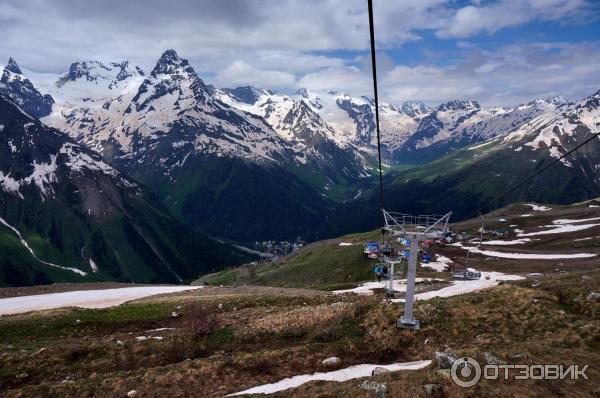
(415, 229)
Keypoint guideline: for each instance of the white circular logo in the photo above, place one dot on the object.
(465, 372)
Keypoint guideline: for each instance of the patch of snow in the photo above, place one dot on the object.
(352, 372)
(525, 215)
(569, 221)
(84, 298)
(526, 256)
(535, 207)
(93, 265)
(558, 229)
(368, 288)
(440, 265)
(487, 280)
(346, 244)
(26, 245)
(506, 242)
(593, 206)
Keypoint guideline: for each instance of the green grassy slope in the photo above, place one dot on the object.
(324, 265)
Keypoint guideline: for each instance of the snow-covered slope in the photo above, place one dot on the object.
(559, 131)
(17, 87)
(457, 124)
(313, 140)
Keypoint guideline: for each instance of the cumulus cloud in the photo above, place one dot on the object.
(319, 44)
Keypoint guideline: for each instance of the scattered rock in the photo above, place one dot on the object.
(120, 344)
(77, 321)
(178, 307)
(593, 296)
(491, 359)
(427, 340)
(536, 300)
(10, 347)
(234, 308)
(93, 376)
(433, 389)
(380, 389)
(445, 359)
(586, 278)
(220, 306)
(40, 351)
(22, 375)
(516, 357)
(132, 394)
(332, 362)
(380, 371)
(174, 314)
(141, 338)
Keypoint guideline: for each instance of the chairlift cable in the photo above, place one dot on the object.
(376, 97)
(374, 70)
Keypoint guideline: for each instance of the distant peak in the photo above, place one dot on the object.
(13, 66)
(458, 105)
(302, 92)
(414, 108)
(171, 63)
(247, 94)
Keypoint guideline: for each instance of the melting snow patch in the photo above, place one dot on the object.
(352, 372)
(26, 245)
(346, 244)
(487, 280)
(84, 298)
(535, 207)
(440, 265)
(526, 256)
(569, 221)
(368, 288)
(506, 242)
(557, 229)
(93, 265)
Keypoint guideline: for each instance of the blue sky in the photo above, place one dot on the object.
(498, 52)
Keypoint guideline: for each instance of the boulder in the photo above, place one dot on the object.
(332, 362)
(593, 296)
(445, 359)
(380, 371)
(132, 394)
(380, 389)
(490, 359)
(435, 390)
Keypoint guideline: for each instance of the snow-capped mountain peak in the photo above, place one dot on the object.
(414, 108)
(458, 105)
(170, 63)
(20, 90)
(13, 67)
(247, 94)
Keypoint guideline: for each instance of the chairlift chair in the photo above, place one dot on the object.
(469, 273)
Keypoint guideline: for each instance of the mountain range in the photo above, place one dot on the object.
(246, 163)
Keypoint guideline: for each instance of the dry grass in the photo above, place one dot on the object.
(298, 319)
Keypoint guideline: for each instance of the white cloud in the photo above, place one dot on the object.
(240, 73)
(471, 20)
(320, 44)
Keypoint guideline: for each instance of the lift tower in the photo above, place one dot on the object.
(415, 229)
